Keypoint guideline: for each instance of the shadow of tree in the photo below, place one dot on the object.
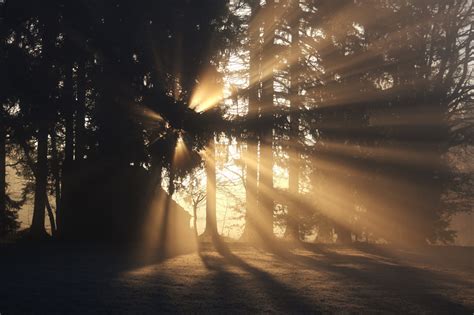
(283, 297)
(60, 278)
(381, 269)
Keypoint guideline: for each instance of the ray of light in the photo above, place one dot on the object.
(207, 94)
(181, 153)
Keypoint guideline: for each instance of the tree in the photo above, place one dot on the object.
(292, 229)
(265, 186)
(195, 195)
(251, 157)
(210, 167)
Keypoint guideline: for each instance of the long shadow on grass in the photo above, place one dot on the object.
(283, 298)
(383, 272)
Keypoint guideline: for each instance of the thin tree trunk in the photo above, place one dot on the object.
(81, 112)
(34, 168)
(211, 221)
(68, 112)
(57, 179)
(265, 188)
(292, 229)
(41, 167)
(154, 188)
(52, 221)
(265, 192)
(251, 220)
(156, 170)
(37, 225)
(3, 183)
(163, 241)
(195, 206)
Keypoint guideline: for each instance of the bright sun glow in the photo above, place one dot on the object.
(208, 94)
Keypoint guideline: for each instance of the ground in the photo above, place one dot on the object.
(52, 278)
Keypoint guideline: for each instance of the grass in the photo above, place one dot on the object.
(237, 278)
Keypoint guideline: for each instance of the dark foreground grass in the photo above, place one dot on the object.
(236, 278)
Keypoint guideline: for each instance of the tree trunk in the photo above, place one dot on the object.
(68, 149)
(251, 159)
(156, 169)
(81, 112)
(211, 221)
(163, 241)
(52, 221)
(292, 228)
(344, 235)
(43, 117)
(57, 179)
(251, 221)
(68, 104)
(265, 187)
(154, 188)
(37, 225)
(3, 183)
(195, 206)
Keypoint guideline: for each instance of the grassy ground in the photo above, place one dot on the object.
(54, 278)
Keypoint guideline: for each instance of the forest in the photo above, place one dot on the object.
(234, 126)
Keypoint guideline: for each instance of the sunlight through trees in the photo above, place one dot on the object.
(307, 120)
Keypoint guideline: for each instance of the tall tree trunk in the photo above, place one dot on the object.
(251, 220)
(3, 183)
(163, 241)
(265, 187)
(195, 206)
(37, 225)
(81, 112)
(211, 221)
(71, 146)
(292, 228)
(251, 188)
(154, 189)
(57, 179)
(52, 221)
(69, 115)
(68, 149)
(156, 169)
(41, 167)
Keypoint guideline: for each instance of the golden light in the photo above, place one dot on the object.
(181, 152)
(208, 94)
(146, 115)
(180, 146)
(151, 114)
(335, 198)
